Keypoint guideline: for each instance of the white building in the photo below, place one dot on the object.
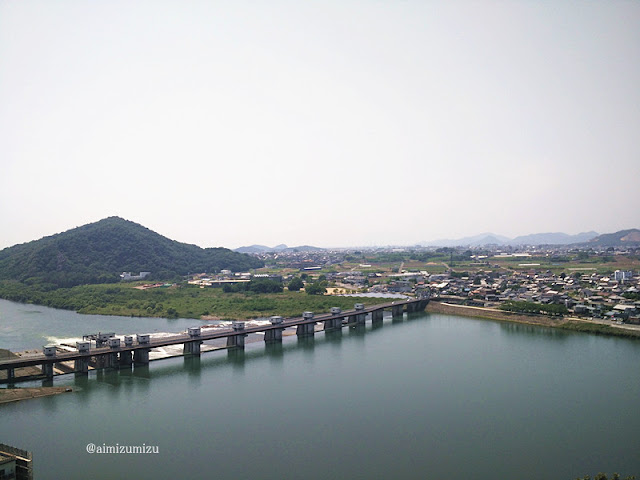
(622, 275)
(126, 276)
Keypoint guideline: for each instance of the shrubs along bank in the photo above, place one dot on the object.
(178, 301)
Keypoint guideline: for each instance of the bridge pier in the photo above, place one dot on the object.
(97, 362)
(47, 370)
(396, 311)
(126, 358)
(377, 316)
(192, 347)
(47, 367)
(141, 355)
(106, 360)
(11, 374)
(416, 307)
(237, 340)
(359, 318)
(112, 357)
(113, 360)
(306, 328)
(335, 322)
(81, 365)
(275, 334)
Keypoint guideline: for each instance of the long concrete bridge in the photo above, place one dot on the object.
(109, 352)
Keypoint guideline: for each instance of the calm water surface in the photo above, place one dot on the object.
(432, 396)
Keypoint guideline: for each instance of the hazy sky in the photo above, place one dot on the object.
(334, 123)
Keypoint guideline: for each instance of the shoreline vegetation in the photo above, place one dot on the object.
(178, 301)
(563, 323)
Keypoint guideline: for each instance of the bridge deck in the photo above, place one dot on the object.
(184, 338)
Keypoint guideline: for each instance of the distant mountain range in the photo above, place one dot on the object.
(277, 248)
(621, 238)
(552, 238)
(99, 252)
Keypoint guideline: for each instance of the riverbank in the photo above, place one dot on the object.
(565, 323)
(8, 395)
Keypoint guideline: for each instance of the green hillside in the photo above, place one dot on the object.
(99, 252)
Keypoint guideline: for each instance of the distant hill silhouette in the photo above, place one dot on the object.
(99, 252)
(260, 249)
(553, 238)
(277, 248)
(474, 241)
(617, 239)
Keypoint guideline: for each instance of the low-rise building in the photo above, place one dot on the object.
(7, 467)
(15, 463)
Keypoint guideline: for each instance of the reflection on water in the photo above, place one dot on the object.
(521, 328)
(236, 357)
(274, 351)
(334, 336)
(357, 331)
(307, 343)
(193, 368)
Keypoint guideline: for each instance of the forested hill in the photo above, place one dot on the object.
(99, 252)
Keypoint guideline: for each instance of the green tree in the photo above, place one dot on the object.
(317, 288)
(265, 286)
(295, 284)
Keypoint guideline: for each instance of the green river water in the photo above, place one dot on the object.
(430, 396)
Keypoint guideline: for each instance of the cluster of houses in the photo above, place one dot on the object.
(612, 296)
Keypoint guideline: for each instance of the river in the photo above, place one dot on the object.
(430, 396)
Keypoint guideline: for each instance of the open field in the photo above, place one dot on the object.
(600, 265)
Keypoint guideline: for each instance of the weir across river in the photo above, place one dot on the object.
(109, 352)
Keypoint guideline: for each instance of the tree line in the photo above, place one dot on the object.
(533, 307)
